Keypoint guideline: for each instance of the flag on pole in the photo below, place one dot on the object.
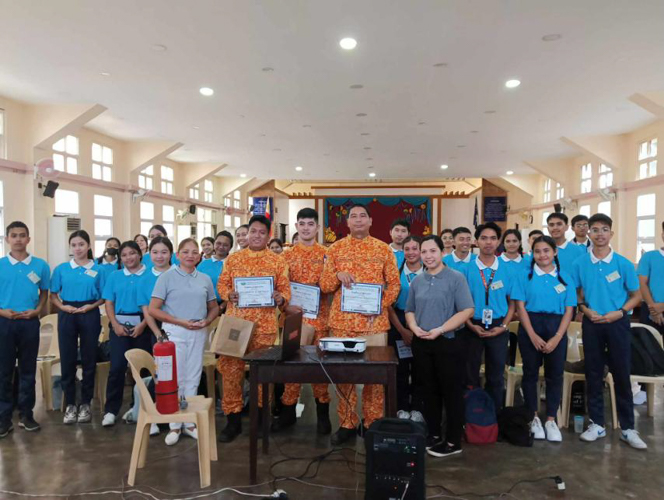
(476, 216)
(268, 210)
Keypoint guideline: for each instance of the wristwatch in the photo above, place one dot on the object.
(503, 326)
(623, 311)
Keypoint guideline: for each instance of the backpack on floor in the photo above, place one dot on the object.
(481, 425)
(514, 425)
(647, 354)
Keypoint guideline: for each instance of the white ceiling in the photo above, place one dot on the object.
(54, 51)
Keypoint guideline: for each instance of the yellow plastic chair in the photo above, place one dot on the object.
(573, 335)
(650, 382)
(200, 410)
(103, 367)
(48, 360)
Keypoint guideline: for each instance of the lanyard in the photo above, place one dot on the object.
(487, 286)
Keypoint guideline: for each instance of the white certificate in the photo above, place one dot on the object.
(363, 298)
(255, 292)
(307, 298)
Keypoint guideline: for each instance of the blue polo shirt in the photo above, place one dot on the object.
(212, 267)
(518, 266)
(407, 277)
(109, 268)
(76, 283)
(544, 293)
(651, 266)
(499, 292)
(122, 289)
(451, 260)
(607, 282)
(22, 281)
(399, 255)
(567, 254)
(145, 287)
(147, 261)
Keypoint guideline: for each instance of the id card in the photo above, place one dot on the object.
(497, 285)
(34, 277)
(487, 317)
(91, 273)
(560, 288)
(615, 275)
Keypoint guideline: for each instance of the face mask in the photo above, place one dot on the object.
(113, 252)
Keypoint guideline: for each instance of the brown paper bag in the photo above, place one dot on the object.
(308, 334)
(232, 336)
(376, 340)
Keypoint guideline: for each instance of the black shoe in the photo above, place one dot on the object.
(433, 441)
(342, 435)
(323, 424)
(444, 450)
(5, 429)
(233, 428)
(287, 418)
(29, 424)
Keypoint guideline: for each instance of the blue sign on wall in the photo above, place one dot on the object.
(495, 209)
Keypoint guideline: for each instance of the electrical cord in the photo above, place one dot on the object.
(558, 480)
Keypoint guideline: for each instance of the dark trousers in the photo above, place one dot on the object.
(116, 376)
(495, 355)
(545, 326)
(612, 343)
(404, 368)
(19, 339)
(441, 367)
(72, 330)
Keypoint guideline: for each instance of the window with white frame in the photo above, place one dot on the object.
(646, 225)
(2, 220)
(3, 144)
(184, 232)
(166, 179)
(66, 202)
(236, 199)
(65, 156)
(584, 210)
(545, 225)
(560, 191)
(103, 207)
(586, 178)
(204, 227)
(228, 219)
(146, 178)
(604, 208)
(648, 159)
(147, 216)
(605, 176)
(195, 191)
(102, 162)
(208, 190)
(547, 190)
(168, 218)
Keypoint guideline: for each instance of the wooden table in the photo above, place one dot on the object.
(377, 365)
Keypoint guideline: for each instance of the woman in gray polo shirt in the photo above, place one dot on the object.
(439, 302)
(183, 300)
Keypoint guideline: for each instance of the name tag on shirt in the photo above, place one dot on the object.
(497, 285)
(91, 273)
(34, 277)
(560, 288)
(615, 275)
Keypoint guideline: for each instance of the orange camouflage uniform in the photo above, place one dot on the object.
(368, 260)
(305, 265)
(249, 263)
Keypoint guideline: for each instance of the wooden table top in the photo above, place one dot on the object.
(311, 355)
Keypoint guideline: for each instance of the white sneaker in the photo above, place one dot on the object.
(631, 437)
(537, 429)
(108, 420)
(172, 438)
(128, 417)
(192, 433)
(71, 415)
(403, 414)
(552, 432)
(593, 433)
(640, 398)
(154, 430)
(416, 416)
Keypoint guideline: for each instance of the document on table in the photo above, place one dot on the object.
(255, 291)
(306, 297)
(363, 298)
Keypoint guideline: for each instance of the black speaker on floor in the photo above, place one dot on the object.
(395, 460)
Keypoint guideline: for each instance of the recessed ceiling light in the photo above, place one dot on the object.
(159, 48)
(267, 69)
(104, 73)
(489, 112)
(372, 174)
(440, 65)
(367, 147)
(551, 38)
(361, 114)
(357, 86)
(306, 126)
(512, 84)
(348, 43)
(196, 127)
(365, 133)
(243, 175)
(299, 169)
(509, 172)
(206, 91)
(444, 167)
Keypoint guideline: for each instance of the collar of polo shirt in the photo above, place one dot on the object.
(606, 260)
(137, 273)
(155, 272)
(214, 259)
(661, 250)
(563, 246)
(25, 261)
(539, 272)
(482, 267)
(74, 265)
(111, 263)
(504, 258)
(180, 271)
(457, 259)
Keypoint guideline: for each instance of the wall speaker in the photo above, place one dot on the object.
(50, 189)
(192, 209)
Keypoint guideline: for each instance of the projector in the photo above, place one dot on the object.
(340, 344)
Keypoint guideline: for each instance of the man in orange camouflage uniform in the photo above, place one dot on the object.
(305, 266)
(255, 260)
(359, 258)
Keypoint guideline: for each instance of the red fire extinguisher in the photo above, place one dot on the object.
(166, 381)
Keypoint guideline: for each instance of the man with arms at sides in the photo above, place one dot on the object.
(255, 261)
(651, 278)
(305, 266)
(461, 255)
(558, 225)
(359, 258)
(399, 231)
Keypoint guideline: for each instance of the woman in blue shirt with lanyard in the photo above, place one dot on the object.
(545, 299)
(215, 264)
(127, 322)
(399, 332)
(76, 291)
(110, 259)
(183, 300)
